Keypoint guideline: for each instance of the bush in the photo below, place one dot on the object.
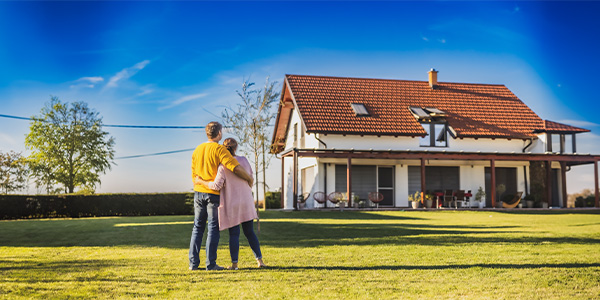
(75, 206)
(273, 199)
(589, 201)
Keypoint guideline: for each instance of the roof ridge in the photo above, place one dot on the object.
(388, 79)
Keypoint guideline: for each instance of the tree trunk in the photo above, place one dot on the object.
(264, 173)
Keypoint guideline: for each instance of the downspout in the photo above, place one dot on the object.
(318, 139)
(525, 168)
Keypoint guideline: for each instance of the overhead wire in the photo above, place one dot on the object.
(130, 126)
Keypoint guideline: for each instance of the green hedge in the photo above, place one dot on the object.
(75, 206)
(273, 199)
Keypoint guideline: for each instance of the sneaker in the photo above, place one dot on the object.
(194, 269)
(216, 268)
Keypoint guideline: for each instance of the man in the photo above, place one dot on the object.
(205, 163)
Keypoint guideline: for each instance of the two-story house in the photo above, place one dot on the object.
(396, 137)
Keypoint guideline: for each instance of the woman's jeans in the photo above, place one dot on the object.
(206, 208)
(234, 241)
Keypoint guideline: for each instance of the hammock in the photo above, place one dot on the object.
(514, 202)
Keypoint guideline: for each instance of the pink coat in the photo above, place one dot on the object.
(237, 204)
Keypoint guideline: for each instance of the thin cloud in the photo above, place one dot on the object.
(87, 82)
(126, 73)
(579, 123)
(425, 38)
(183, 100)
(95, 79)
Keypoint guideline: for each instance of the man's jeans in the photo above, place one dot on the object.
(234, 241)
(205, 209)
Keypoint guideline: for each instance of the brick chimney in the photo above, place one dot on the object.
(433, 78)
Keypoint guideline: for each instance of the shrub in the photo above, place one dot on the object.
(75, 206)
(273, 199)
(588, 201)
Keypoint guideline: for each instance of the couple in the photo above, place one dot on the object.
(223, 198)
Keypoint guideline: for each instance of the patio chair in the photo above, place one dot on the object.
(514, 202)
(460, 197)
(376, 197)
(334, 197)
(448, 197)
(320, 197)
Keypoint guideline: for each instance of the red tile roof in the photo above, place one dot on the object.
(550, 126)
(473, 110)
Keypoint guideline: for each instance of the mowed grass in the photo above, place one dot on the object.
(314, 255)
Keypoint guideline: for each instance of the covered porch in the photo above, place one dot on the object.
(564, 161)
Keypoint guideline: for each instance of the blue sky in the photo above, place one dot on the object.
(179, 63)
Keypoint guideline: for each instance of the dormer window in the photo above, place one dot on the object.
(437, 135)
(360, 110)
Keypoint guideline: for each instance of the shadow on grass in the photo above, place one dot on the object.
(439, 267)
(314, 235)
(550, 211)
(175, 231)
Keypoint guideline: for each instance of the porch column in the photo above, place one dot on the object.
(563, 177)
(596, 183)
(493, 181)
(349, 181)
(295, 180)
(282, 183)
(423, 183)
(549, 183)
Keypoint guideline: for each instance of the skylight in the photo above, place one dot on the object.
(434, 112)
(420, 113)
(427, 113)
(360, 109)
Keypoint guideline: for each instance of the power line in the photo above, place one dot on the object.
(155, 154)
(120, 126)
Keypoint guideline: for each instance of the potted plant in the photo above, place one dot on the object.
(529, 200)
(301, 201)
(480, 196)
(429, 200)
(415, 199)
(500, 189)
(342, 199)
(355, 200)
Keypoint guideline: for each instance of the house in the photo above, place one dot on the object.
(397, 137)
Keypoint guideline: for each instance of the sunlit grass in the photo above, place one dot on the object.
(326, 255)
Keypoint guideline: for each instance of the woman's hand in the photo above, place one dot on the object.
(200, 181)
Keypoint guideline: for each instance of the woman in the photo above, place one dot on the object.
(237, 206)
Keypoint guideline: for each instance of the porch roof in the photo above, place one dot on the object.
(570, 159)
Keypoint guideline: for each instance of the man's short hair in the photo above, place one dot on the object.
(213, 129)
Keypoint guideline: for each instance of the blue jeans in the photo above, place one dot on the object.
(205, 210)
(234, 241)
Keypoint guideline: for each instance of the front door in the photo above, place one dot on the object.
(385, 184)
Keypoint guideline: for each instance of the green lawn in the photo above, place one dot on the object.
(327, 255)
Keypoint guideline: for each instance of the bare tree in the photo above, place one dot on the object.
(249, 122)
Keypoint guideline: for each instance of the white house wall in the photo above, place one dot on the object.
(410, 143)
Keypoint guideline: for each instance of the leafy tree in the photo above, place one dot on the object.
(13, 172)
(69, 146)
(249, 123)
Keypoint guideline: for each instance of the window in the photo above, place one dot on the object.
(359, 109)
(295, 133)
(561, 143)
(426, 140)
(437, 135)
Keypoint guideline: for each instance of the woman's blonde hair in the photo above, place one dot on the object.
(231, 145)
